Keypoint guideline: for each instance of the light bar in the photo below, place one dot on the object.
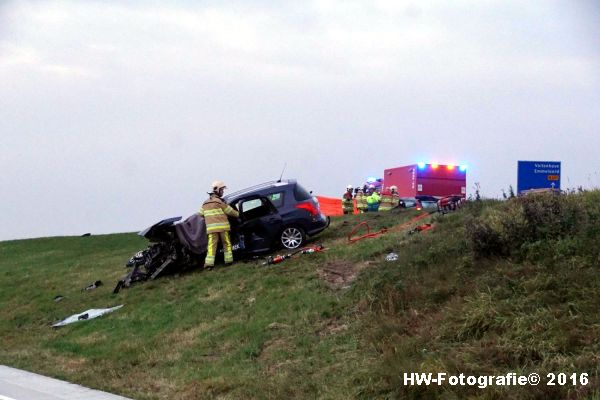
(435, 165)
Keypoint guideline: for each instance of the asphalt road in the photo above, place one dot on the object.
(22, 385)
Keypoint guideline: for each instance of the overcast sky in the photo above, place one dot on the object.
(115, 114)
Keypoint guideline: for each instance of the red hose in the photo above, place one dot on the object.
(370, 234)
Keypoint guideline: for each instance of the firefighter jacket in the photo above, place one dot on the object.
(386, 201)
(361, 201)
(215, 212)
(347, 202)
(395, 199)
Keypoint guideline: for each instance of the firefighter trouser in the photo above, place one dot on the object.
(348, 207)
(213, 241)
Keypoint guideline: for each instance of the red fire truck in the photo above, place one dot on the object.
(428, 180)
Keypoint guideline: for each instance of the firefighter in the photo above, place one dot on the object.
(373, 199)
(395, 196)
(386, 200)
(215, 212)
(361, 201)
(347, 201)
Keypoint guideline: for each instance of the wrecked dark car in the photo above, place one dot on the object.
(173, 246)
(273, 214)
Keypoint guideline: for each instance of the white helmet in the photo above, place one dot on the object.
(349, 187)
(216, 185)
(394, 187)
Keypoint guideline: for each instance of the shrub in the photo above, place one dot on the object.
(485, 240)
(533, 226)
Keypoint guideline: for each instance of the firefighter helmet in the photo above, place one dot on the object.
(216, 185)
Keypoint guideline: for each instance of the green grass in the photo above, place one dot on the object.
(340, 324)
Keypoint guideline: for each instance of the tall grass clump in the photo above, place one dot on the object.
(538, 227)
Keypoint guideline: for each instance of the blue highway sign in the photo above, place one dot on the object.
(538, 175)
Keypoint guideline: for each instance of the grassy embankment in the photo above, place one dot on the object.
(494, 288)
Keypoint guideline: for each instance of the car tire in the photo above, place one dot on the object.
(292, 237)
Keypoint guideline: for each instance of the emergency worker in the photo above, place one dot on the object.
(373, 199)
(347, 201)
(386, 200)
(395, 196)
(361, 201)
(215, 212)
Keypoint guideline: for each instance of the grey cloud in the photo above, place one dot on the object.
(114, 114)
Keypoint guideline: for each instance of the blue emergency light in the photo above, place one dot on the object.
(435, 165)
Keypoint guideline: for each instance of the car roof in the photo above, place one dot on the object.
(260, 187)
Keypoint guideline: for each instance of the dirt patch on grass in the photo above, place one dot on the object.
(332, 327)
(205, 389)
(70, 365)
(135, 384)
(270, 347)
(93, 338)
(270, 356)
(340, 274)
(211, 294)
(185, 338)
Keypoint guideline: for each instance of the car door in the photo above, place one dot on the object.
(261, 223)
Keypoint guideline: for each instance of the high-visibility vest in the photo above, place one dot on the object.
(373, 198)
(373, 201)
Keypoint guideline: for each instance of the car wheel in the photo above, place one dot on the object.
(292, 237)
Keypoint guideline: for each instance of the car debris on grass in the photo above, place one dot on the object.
(86, 315)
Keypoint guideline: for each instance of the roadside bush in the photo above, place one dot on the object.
(531, 227)
(484, 239)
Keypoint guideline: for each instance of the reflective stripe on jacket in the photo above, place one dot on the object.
(347, 202)
(386, 202)
(361, 201)
(215, 212)
(395, 199)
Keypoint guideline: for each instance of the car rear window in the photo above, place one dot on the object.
(301, 194)
(276, 199)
